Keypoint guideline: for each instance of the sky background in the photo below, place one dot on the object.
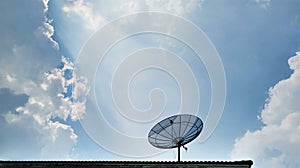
(257, 41)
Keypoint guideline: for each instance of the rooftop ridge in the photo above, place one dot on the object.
(125, 161)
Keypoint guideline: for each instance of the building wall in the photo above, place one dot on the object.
(125, 164)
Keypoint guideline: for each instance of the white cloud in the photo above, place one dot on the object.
(85, 11)
(46, 8)
(28, 66)
(62, 137)
(47, 29)
(177, 7)
(93, 19)
(57, 84)
(263, 3)
(46, 102)
(131, 6)
(277, 143)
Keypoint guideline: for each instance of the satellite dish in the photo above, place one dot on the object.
(175, 131)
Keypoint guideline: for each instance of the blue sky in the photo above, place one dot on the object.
(44, 105)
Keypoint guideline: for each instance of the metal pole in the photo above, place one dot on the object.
(178, 152)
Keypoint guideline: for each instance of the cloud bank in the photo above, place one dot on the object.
(38, 86)
(45, 94)
(276, 144)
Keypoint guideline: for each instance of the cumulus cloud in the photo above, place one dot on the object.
(68, 90)
(33, 124)
(276, 144)
(48, 100)
(85, 11)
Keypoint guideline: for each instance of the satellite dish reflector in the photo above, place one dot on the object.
(175, 131)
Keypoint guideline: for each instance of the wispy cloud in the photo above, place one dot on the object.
(263, 3)
(47, 29)
(92, 19)
(277, 143)
(177, 7)
(84, 10)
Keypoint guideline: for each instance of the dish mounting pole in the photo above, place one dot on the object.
(179, 152)
(179, 145)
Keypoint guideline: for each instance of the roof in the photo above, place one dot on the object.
(202, 164)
